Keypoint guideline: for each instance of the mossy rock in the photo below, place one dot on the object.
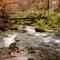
(30, 50)
(13, 46)
(13, 28)
(21, 31)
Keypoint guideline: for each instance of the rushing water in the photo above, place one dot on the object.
(31, 38)
(8, 40)
(30, 30)
(46, 36)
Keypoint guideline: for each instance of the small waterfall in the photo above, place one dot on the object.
(8, 40)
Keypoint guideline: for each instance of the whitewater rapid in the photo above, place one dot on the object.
(8, 40)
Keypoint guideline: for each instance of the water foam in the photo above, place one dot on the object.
(8, 40)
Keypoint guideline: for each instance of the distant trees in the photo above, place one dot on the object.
(3, 13)
(26, 5)
(54, 5)
(16, 6)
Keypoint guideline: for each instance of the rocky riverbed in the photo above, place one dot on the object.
(39, 46)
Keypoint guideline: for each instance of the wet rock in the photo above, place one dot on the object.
(4, 24)
(39, 30)
(20, 27)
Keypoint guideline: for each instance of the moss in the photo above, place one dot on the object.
(13, 46)
(30, 50)
(51, 22)
(21, 31)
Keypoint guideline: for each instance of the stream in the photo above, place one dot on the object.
(30, 38)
